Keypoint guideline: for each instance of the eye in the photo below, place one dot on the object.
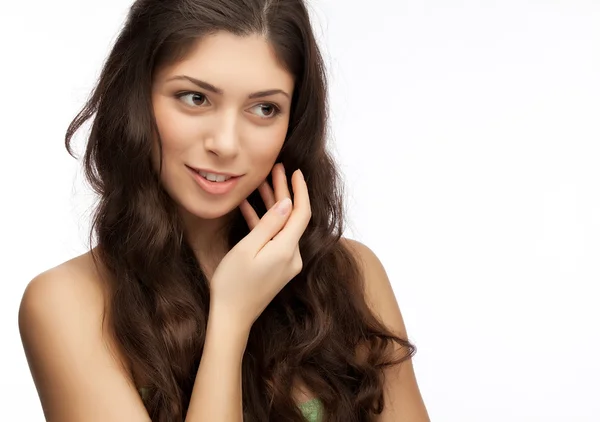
(271, 110)
(193, 96)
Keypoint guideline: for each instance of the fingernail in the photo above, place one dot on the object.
(283, 206)
(301, 175)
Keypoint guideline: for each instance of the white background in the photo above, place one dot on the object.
(469, 134)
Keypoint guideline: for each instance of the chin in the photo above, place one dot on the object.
(209, 211)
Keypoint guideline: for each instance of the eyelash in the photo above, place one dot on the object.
(276, 112)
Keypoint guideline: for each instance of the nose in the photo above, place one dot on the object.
(222, 139)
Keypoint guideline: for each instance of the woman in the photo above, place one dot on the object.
(209, 296)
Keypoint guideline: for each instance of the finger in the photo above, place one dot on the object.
(269, 225)
(249, 214)
(280, 184)
(299, 217)
(267, 194)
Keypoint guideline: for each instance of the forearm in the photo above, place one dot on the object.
(217, 393)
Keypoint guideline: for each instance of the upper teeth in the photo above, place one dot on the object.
(214, 177)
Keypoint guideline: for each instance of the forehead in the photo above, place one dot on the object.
(234, 63)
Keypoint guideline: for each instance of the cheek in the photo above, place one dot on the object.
(176, 135)
(172, 136)
(172, 129)
(265, 146)
(263, 153)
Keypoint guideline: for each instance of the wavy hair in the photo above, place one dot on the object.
(157, 309)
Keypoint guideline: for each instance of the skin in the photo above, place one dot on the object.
(226, 131)
(77, 366)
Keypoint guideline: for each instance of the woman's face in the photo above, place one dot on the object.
(225, 107)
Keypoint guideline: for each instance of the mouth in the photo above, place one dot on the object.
(216, 187)
(214, 176)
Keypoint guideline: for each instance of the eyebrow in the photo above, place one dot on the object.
(212, 88)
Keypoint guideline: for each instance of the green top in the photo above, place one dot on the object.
(311, 409)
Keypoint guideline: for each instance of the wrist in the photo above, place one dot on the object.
(224, 328)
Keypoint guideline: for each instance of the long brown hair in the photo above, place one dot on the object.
(159, 297)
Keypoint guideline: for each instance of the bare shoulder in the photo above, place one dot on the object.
(73, 360)
(379, 293)
(59, 289)
(64, 298)
(402, 397)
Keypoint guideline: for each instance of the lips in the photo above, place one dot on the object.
(215, 188)
(207, 170)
